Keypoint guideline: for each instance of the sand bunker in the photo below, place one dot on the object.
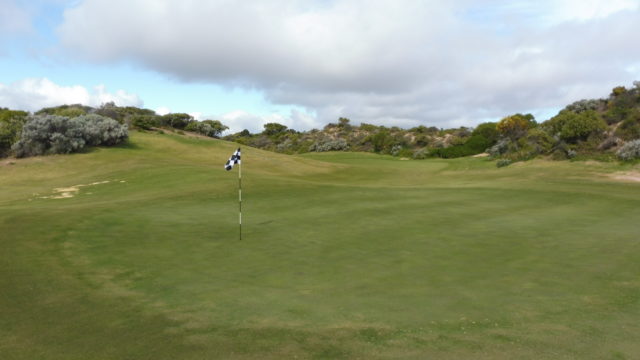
(71, 191)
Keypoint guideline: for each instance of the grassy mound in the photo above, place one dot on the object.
(132, 252)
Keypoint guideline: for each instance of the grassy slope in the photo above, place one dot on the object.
(344, 255)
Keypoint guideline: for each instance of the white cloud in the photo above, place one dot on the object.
(32, 94)
(583, 10)
(163, 110)
(13, 18)
(239, 120)
(397, 63)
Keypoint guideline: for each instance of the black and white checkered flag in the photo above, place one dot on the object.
(234, 159)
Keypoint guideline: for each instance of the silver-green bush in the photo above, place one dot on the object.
(100, 130)
(629, 151)
(421, 154)
(499, 148)
(51, 134)
(329, 145)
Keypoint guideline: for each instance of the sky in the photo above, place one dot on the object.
(305, 63)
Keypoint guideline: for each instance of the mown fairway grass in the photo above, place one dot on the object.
(343, 256)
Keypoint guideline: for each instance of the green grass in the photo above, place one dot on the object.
(344, 255)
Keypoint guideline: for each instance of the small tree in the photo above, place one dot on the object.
(488, 130)
(617, 91)
(344, 124)
(145, 122)
(381, 141)
(217, 127)
(272, 129)
(176, 120)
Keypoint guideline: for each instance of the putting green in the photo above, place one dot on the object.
(133, 252)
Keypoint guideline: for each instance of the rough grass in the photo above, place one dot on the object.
(343, 256)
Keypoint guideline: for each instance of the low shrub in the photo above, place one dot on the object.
(210, 128)
(420, 154)
(503, 162)
(395, 150)
(329, 145)
(609, 143)
(405, 153)
(11, 123)
(629, 151)
(145, 122)
(475, 144)
(501, 147)
(573, 127)
(629, 128)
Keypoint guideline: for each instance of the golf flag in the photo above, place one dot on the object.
(234, 159)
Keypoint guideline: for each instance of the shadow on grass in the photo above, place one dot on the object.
(127, 145)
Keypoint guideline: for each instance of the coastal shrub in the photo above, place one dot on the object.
(52, 134)
(537, 142)
(100, 130)
(515, 126)
(476, 144)
(395, 149)
(381, 141)
(210, 128)
(422, 140)
(175, 120)
(145, 122)
(585, 105)
(488, 130)
(503, 162)
(284, 146)
(66, 110)
(420, 154)
(273, 129)
(608, 143)
(572, 127)
(125, 114)
(329, 145)
(501, 147)
(629, 128)
(629, 151)
(621, 104)
(11, 122)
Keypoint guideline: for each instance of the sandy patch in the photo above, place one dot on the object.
(71, 191)
(481, 155)
(64, 193)
(626, 176)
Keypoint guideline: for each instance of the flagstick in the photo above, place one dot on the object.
(240, 196)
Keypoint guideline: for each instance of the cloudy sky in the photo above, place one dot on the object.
(304, 63)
